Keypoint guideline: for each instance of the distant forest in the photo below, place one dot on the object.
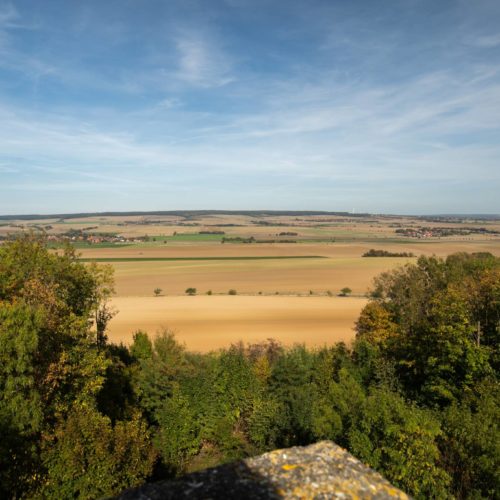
(416, 396)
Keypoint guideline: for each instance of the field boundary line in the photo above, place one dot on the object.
(177, 259)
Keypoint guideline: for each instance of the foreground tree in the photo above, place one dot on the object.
(88, 457)
(399, 440)
(424, 317)
(53, 357)
(470, 444)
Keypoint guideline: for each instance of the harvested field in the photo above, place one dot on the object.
(205, 323)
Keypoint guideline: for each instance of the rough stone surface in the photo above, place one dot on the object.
(320, 471)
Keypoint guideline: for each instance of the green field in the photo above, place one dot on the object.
(188, 237)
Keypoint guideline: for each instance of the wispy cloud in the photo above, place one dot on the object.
(8, 16)
(201, 61)
(488, 42)
(169, 103)
(372, 131)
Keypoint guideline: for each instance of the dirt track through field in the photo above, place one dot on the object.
(205, 323)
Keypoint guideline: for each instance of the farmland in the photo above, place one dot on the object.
(287, 270)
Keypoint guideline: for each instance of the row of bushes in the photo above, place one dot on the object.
(344, 292)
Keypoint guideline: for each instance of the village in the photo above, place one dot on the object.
(440, 232)
(79, 235)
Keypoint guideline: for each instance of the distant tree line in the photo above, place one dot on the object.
(416, 396)
(251, 239)
(237, 239)
(281, 240)
(269, 223)
(385, 253)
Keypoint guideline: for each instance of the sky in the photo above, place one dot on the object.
(380, 106)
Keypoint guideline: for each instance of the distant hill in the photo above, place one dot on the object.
(180, 213)
(252, 213)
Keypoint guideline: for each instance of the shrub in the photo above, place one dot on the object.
(232, 292)
(191, 291)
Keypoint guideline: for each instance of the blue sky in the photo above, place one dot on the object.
(379, 106)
